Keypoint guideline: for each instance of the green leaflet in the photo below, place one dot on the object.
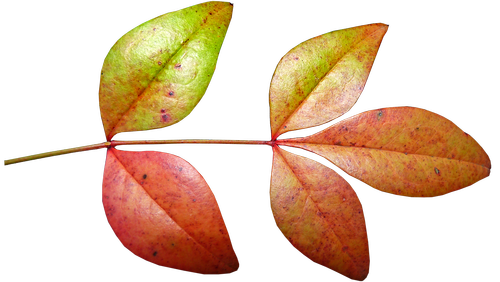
(157, 73)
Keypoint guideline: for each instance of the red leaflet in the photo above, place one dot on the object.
(162, 210)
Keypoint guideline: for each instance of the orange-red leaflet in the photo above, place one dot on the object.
(319, 213)
(405, 151)
(163, 211)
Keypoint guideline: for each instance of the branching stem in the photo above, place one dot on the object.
(143, 142)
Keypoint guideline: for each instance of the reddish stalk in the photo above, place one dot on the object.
(191, 141)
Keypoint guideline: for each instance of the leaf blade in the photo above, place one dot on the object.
(322, 78)
(403, 150)
(319, 213)
(157, 73)
(163, 211)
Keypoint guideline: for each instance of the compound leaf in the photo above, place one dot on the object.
(163, 211)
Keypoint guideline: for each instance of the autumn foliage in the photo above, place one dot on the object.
(163, 211)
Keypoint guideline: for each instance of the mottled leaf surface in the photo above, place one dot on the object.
(319, 213)
(163, 211)
(322, 78)
(405, 151)
(157, 73)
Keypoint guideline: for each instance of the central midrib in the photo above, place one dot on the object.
(279, 132)
(317, 207)
(176, 223)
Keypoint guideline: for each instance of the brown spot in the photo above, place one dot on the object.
(165, 118)
(379, 115)
(194, 200)
(144, 176)
(177, 66)
(155, 253)
(171, 93)
(345, 248)
(163, 111)
(159, 63)
(466, 134)
(296, 58)
(437, 171)
(154, 29)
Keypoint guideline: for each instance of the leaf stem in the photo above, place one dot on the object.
(114, 143)
(57, 153)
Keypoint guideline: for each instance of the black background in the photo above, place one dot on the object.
(442, 58)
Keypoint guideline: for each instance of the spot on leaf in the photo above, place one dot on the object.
(165, 118)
